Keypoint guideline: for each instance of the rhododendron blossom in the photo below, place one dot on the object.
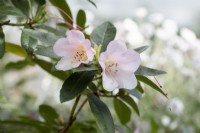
(119, 64)
(73, 50)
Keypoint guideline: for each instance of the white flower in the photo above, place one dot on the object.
(73, 50)
(119, 64)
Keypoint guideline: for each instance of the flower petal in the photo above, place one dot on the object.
(102, 60)
(116, 47)
(129, 61)
(109, 84)
(75, 37)
(89, 49)
(127, 81)
(60, 46)
(66, 64)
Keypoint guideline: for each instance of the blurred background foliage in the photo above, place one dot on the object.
(174, 47)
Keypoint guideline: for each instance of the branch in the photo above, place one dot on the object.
(73, 117)
(31, 22)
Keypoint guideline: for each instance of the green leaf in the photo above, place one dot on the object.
(46, 51)
(131, 102)
(24, 125)
(47, 66)
(93, 87)
(142, 70)
(46, 38)
(103, 34)
(59, 31)
(9, 10)
(2, 43)
(27, 42)
(40, 2)
(150, 83)
(92, 3)
(15, 49)
(136, 93)
(86, 68)
(102, 114)
(81, 18)
(22, 5)
(75, 85)
(83, 127)
(123, 112)
(48, 113)
(17, 65)
(64, 9)
(141, 49)
(139, 87)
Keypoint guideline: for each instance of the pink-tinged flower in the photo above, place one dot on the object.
(73, 50)
(119, 64)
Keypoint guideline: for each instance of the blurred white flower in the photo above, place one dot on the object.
(141, 13)
(170, 27)
(188, 35)
(133, 36)
(156, 18)
(177, 42)
(176, 106)
(165, 120)
(173, 125)
(147, 29)
(161, 34)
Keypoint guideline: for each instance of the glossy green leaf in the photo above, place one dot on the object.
(75, 85)
(15, 49)
(46, 38)
(103, 34)
(46, 51)
(22, 5)
(47, 66)
(81, 18)
(10, 10)
(127, 99)
(28, 43)
(141, 49)
(102, 114)
(48, 113)
(64, 9)
(2, 43)
(122, 110)
(142, 70)
(150, 83)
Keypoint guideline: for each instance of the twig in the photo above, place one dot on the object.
(16, 24)
(71, 119)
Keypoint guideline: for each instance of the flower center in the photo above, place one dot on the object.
(111, 67)
(80, 54)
